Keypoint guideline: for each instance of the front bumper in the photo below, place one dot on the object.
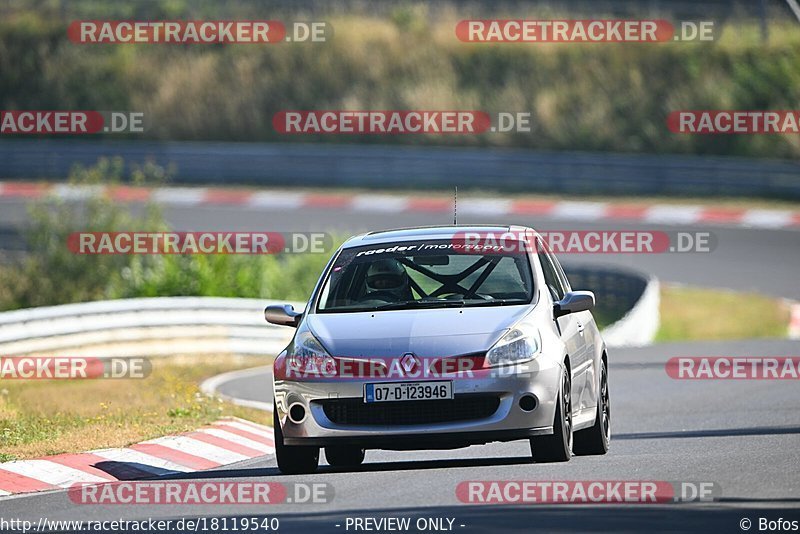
(508, 421)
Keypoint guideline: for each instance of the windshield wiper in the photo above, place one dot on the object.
(417, 304)
(497, 302)
(411, 304)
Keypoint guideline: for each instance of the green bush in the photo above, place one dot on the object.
(51, 274)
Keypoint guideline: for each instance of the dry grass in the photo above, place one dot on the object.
(45, 417)
(599, 98)
(689, 313)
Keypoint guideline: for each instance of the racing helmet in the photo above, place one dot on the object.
(388, 275)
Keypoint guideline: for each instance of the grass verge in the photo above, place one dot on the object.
(695, 314)
(45, 417)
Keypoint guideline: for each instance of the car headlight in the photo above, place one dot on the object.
(516, 346)
(309, 357)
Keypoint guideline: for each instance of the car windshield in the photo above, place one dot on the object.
(430, 274)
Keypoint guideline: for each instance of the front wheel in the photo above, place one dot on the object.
(293, 460)
(557, 447)
(596, 440)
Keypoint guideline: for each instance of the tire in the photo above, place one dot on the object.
(293, 460)
(343, 456)
(596, 440)
(557, 447)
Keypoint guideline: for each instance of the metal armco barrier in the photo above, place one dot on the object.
(630, 298)
(399, 166)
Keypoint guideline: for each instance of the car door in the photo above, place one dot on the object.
(583, 356)
(568, 325)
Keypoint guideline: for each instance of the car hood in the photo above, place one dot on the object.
(428, 333)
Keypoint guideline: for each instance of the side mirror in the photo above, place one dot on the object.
(282, 314)
(574, 301)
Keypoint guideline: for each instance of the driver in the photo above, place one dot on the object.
(388, 276)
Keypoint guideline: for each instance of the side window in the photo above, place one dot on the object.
(562, 277)
(550, 273)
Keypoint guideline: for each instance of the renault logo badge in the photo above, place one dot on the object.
(409, 362)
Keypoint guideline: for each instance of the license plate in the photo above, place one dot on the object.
(405, 391)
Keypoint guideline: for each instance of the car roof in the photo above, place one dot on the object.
(427, 232)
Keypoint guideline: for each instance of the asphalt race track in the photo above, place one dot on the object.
(744, 436)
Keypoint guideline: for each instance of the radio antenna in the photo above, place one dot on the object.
(455, 207)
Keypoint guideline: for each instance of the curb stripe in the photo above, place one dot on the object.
(226, 444)
(142, 461)
(24, 189)
(484, 207)
(666, 213)
(199, 448)
(235, 438)
(266, 429)
(244, 431)
(124, 193)
(77, 192)
(225, 196)
(326, 201)
(276, 200)
(257, 438)
(794, 321)
(582, 211)
(429, 204)
(533, 207)
(179, 195)
(767, 218)
(676, 214)
(179, 457)
(11, 482)
(626, 211)
(386, 203)
(223, 442)
(262, 431)
(50, 473)
(722, 215)
(83, 462)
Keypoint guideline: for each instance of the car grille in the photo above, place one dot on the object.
(461, 408)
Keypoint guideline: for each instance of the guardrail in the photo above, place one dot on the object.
(403, 167)
(150, 327)
(630, 296)
(164, 326)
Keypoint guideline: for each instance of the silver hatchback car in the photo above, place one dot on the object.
(440, 337)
